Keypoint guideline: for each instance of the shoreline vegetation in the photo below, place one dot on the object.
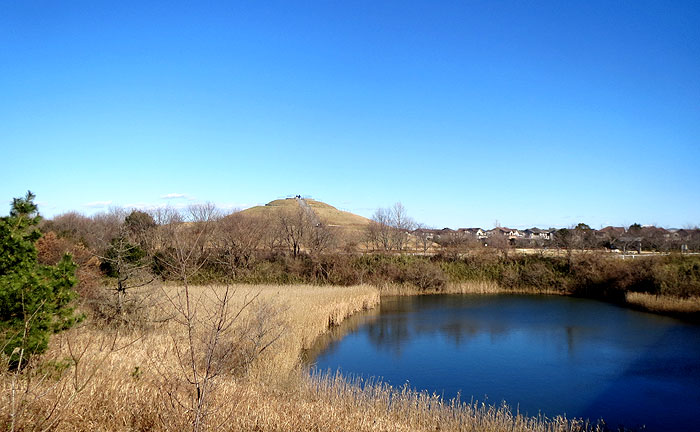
(665, 305)
(125, 380)
(687, 309)
(97, 376)
(130, 378)
(668, 284)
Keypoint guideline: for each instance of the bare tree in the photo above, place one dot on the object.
(694, 238)
(320, 239)
(72, 225)
(216, 338)
(103, 228)
(238, 239)
(186, 239)
(272, 238)
(400, 219)
(402, 224)
(187, 246)
(224, 336)
(583, 236)
(379, 230)
(456, 243)
(566, 238)
(389, 228)
(301, 229)
(424, 237)
(294, 225)
(500, 241)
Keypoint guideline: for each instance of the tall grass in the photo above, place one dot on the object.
(373, 405)
(665, 304)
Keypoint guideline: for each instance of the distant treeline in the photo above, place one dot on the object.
(130, 249)
(590, 275)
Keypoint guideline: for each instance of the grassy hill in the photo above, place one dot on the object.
(328, 214)
(350, 227)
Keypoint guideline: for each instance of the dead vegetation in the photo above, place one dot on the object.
(178, 374)
(664, 304)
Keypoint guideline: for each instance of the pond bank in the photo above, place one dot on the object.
(687, 309)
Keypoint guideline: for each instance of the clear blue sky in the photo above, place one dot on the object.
(526, 113)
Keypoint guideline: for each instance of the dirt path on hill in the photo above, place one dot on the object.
(309, 211)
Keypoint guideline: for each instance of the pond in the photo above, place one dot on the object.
(546, 355)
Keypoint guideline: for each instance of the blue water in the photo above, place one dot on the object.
(541, 354)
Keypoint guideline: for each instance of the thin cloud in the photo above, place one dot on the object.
(97, 204)
(145, 206)
(177, 196)
(148, 206)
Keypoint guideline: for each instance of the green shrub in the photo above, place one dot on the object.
(425, 275)
(35, 300)
(677, 276)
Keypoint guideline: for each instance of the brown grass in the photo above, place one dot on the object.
(663, 304)
(332, 216)
(126, 388)
(328, 214)
(472, 287)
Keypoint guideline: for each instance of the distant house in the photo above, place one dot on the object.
(538, 234)
(434, 234)
(429, 234)
(506, 232)
(654, 231)
(611, 231)
(682, 233)
(496, 231)
(673, 233)
(446, 233)
(477, 233)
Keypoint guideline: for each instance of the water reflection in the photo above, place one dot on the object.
(461, 318)
(546, 354)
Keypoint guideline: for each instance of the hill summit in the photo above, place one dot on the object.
(350, 224)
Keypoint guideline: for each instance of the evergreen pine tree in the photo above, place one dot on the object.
(35, 300)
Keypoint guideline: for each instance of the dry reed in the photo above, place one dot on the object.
(471, 287)
(663, 304)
